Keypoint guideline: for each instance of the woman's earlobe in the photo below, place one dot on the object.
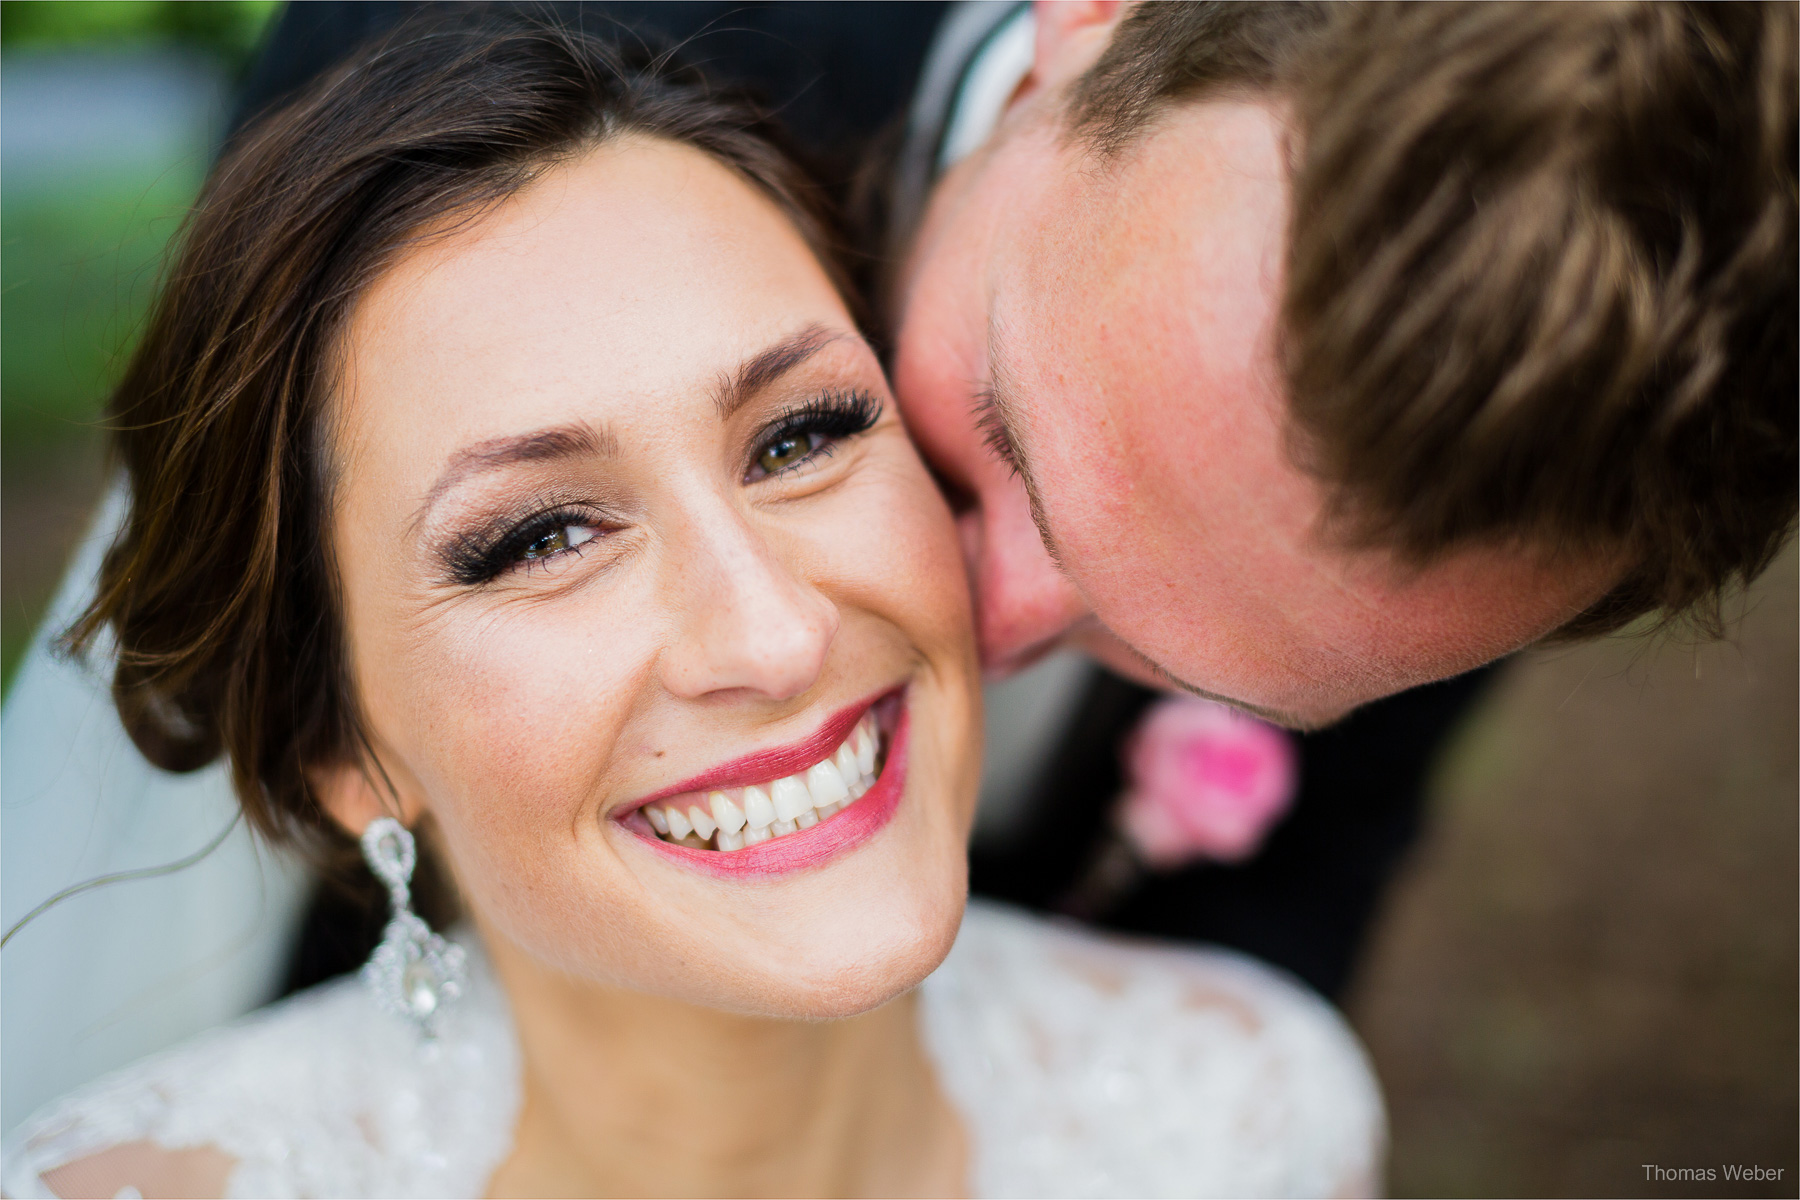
(352, 798)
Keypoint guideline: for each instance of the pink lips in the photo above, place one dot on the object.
(830, 837)
(765, 765)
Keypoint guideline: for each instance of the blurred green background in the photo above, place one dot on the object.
(227, 29)
(111, 109)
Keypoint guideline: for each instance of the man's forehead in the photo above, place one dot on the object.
(1141, 298)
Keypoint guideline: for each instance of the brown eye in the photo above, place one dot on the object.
(547, 545)
(563, 537)
(784, 452)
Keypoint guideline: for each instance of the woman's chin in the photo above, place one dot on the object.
(831, 987)
(824, 961)
(875, 926)
(846, 950)
(839, 965)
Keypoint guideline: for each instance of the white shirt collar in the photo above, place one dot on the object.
(989, 83)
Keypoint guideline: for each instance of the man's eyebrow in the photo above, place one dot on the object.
(562, 441)
(997, 416)
(997, 408)
(766, 366)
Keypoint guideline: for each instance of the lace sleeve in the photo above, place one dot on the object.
(322, 1095)
(138, 1169)
(1091, 1066)
(114, 1140)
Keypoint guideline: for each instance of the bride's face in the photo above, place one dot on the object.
(626, 526)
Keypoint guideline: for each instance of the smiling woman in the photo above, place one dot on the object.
(507, 465)
(668, 532)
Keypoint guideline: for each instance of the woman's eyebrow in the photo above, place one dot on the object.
(579, 440)
(765, 367)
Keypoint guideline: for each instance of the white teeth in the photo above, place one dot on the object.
(790, 797)
(702, 821)
(728, 815)
(733, 820)
(757, 809)
(865, 747)
(826, 785)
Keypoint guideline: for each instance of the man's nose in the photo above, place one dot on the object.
(748, 621)
(1023, 601)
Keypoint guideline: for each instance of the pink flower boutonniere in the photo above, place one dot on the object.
(1204, 781)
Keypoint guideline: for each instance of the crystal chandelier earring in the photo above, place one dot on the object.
(414, 973)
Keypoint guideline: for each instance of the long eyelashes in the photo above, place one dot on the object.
(821, 421)
(994, 434)
(477, 557)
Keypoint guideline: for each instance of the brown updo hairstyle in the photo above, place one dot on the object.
(219, 592)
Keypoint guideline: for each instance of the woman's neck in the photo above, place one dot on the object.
(630, 1095)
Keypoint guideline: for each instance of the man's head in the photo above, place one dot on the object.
(1302, 355)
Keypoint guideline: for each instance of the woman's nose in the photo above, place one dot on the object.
(749, 621)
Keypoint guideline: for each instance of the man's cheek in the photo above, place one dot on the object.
(949, 444)
(971, 537)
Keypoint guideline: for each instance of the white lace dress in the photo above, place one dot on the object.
(1082, 1066)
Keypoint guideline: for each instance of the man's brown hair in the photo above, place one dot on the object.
(1541, 268)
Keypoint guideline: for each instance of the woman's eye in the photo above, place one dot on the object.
(784, 452)
(479, 558)
(563, 537)
(813, 430)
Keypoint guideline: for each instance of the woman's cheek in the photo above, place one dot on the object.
(917, 581)
(526, 707)
(909, 565)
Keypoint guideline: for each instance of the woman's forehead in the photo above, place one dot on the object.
(643, 270)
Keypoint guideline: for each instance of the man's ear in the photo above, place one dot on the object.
(350, 794)
(1071, 35)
